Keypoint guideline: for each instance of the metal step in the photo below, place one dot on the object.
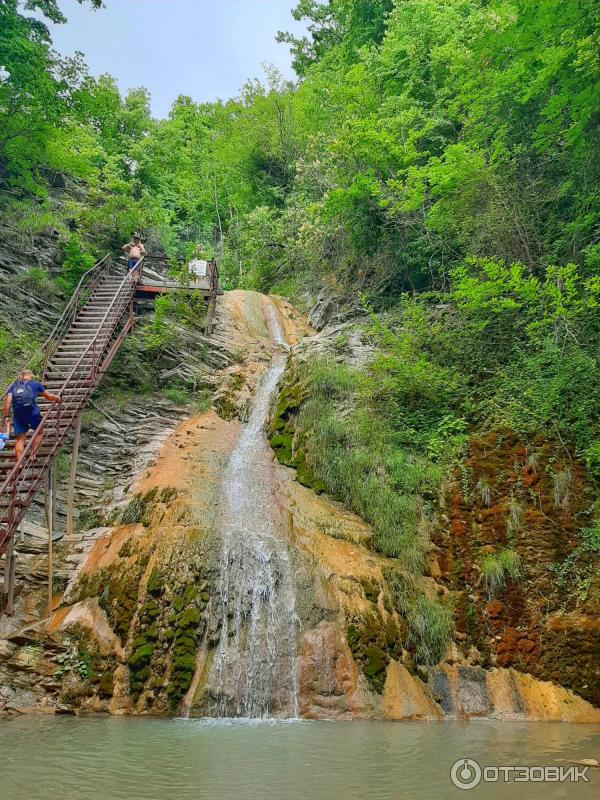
(5, 501)
(66, 358)
(61, 361)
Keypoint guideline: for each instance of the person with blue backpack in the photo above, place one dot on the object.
(21, 397)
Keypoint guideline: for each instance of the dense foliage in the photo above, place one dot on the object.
(442, 151)
(421, 132)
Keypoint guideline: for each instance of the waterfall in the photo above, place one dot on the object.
(253, 672)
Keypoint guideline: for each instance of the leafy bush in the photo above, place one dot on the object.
(75, 263)
(38, 280)
(17, 351)
(177, 308)
(580, 571)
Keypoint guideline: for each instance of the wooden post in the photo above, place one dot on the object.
(71, 491)
(131, 317)
(46, 504)
(11, 576)
(50, 517)
(209, 317)
(8, 588)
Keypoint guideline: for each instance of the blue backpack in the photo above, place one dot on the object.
(23, 397)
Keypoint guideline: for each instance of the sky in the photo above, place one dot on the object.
(206, 49)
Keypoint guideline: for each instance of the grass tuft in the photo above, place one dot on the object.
(496, 568)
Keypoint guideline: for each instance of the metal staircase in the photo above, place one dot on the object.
(76, 356)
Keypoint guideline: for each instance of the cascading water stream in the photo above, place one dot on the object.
(253, 672)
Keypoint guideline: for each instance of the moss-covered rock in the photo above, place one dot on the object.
(178, 603)
(282, 432)
(282, 445)
(117, 589)
(304, 475)
(185, 644)
(165, 644)
(184, 663)
(106, 685)
(373, 643)
(155, 582)
(189, 617)
(139, 507)
(85, 671)
(141, 655)
(375, 662)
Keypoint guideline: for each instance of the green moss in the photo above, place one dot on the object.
(155, 582)
(184, 644)
(167, 639)
(150, 610)
(141, 656)
(167, 495)
(370, 589)
(190, 594)
(353, 636)
(152, 632)
(375, 661)
(106, 685)
(304, 475)
(117, 590)
(189, 617)
(181, 681)
(373, 644)
(184, 663)
(282, 445)
(277, 425)
(177, 603)
(142, 675)
(93, 669)
(185, 633)
(282, 431)
(138, 508)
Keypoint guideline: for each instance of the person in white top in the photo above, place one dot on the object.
(198, 268)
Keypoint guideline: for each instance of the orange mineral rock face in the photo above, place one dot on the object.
(533, 505)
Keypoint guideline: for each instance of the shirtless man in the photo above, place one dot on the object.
(135, 250)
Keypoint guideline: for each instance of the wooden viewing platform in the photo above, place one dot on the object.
(152, 283)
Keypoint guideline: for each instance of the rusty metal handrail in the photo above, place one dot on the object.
(74, 391)
(88, 282)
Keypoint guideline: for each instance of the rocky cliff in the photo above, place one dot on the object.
(140, 618)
